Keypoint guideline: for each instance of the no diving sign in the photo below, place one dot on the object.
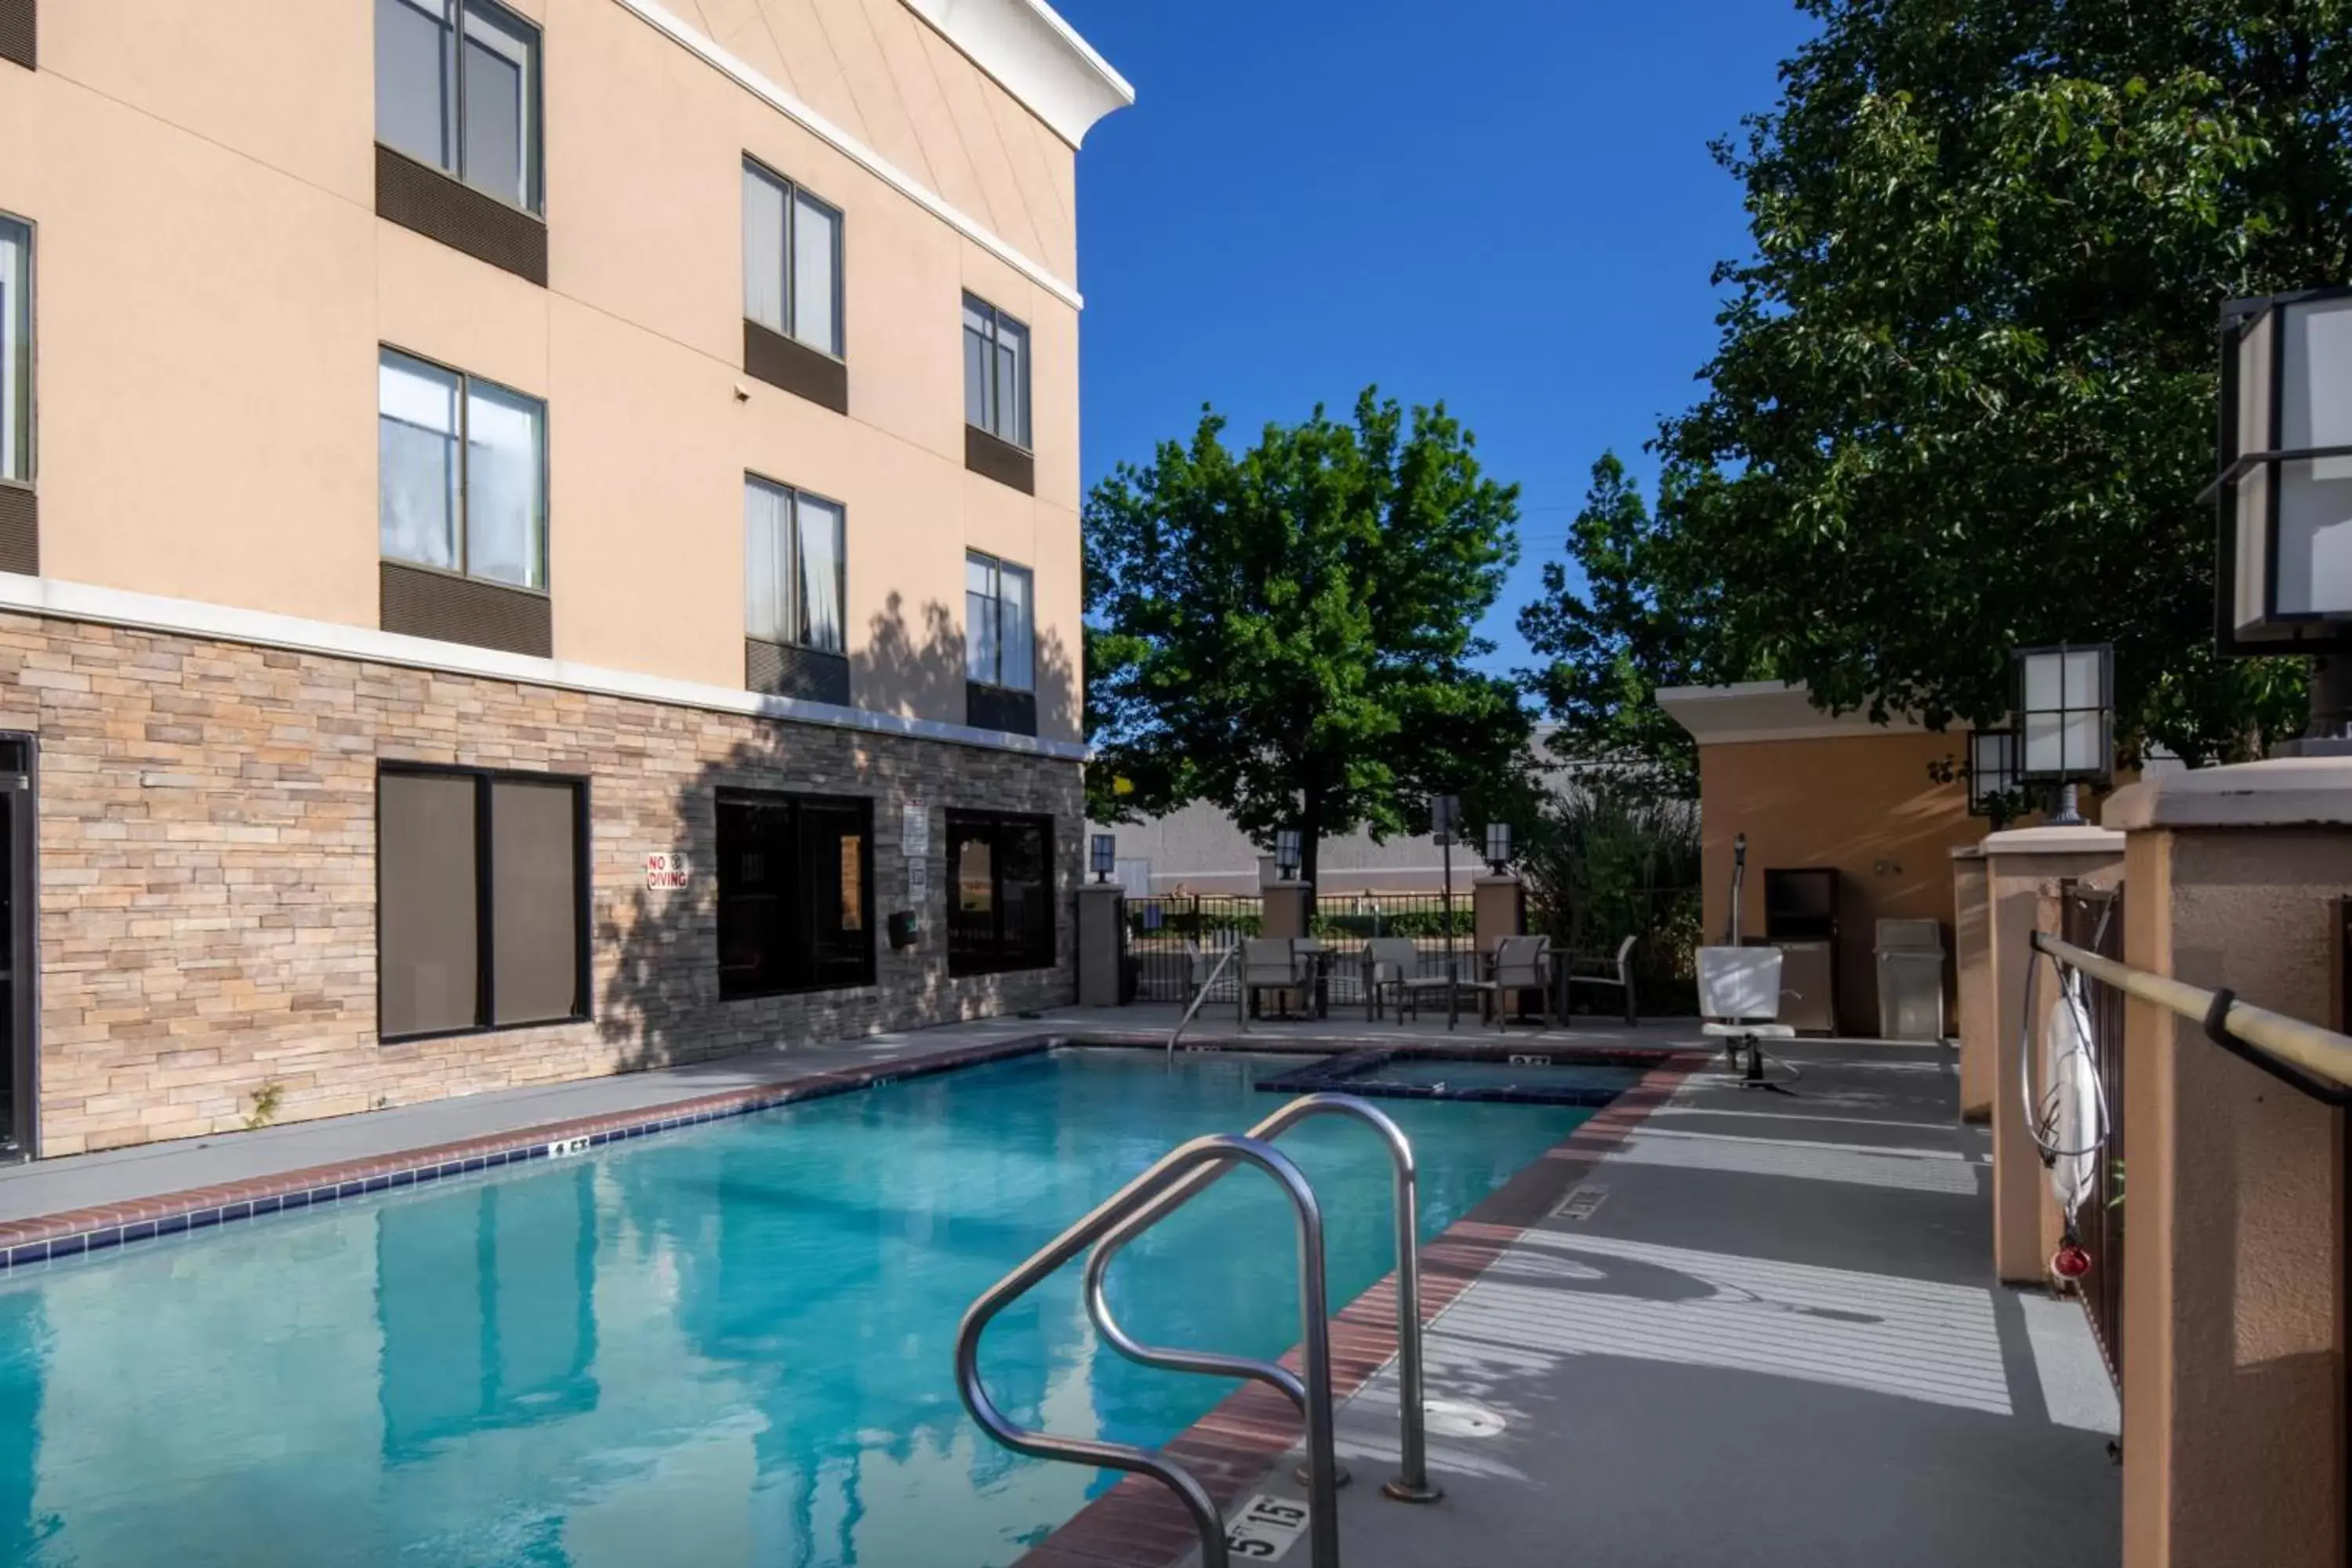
(666, 871)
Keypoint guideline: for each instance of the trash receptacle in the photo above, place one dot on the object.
(1910, 980)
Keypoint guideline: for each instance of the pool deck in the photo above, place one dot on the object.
(1765, 1332)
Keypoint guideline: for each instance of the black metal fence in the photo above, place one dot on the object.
(2093, 919)
(1173, 941)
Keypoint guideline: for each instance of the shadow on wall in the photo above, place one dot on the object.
(922, 674)
(658, 1002)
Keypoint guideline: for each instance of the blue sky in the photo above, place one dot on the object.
(1506, 204)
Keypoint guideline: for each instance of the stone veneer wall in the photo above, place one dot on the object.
(207, 876)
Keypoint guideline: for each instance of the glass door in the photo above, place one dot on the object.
(18, 1106)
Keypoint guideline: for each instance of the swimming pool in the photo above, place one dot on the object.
(728, 1346)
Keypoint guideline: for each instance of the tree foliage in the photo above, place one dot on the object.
(1964, 394)
(1286, 631)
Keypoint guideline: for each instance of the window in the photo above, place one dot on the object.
(792, 261)
(461, 473)
(481, 900)
(16, 351)
(995, 373)
(456, 86)
(795, 880)
(1000, 628)
(793, 572)
(1000, 892)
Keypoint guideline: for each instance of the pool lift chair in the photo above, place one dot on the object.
(1739, 989)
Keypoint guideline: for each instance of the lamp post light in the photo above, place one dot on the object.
(1104, 852)
(1498, 847)
(1992, 771)
(2066, 720)
(2283, 577)
(1286, 853)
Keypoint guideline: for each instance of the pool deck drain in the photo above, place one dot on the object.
(1779, 1343)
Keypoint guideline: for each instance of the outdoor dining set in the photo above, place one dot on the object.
(1398, 974)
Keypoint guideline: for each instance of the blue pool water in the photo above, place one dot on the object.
(727, 1346)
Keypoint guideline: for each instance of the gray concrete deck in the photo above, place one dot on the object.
(1776, 1340)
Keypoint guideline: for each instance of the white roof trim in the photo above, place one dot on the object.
(1036, 57)
(858, 152)
(1767, 711)
(191, 618)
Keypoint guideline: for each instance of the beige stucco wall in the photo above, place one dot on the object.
(1972, 971)
(1863, 804)
(2234, 1438)
(213, 282)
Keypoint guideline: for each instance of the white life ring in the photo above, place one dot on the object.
(2074, 1111)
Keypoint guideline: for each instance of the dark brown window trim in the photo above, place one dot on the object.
(1000, 707)
(19, 34)
(20, 525)
(583, 891)
(797, 368)
(789, 669)
(1000, 460)
(420, 602)
(420, 197)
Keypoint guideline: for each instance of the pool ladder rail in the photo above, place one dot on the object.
(1172, 1181)
(1200, 995)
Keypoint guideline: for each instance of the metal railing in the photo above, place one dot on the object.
(2317, 1061)
(1200, 995)
(1411, 1482)
(1215, 1149)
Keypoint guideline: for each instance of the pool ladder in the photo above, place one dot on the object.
(1174, 1180)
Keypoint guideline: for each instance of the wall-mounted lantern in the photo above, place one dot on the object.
(2283, 560)
(1992, 771)
(2066, 720)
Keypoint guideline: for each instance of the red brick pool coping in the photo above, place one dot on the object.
(1138, 1523)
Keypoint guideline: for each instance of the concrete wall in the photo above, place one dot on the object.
(213, 284)
(1863, 804)
(207, 849)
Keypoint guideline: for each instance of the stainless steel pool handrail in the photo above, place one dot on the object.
(1411, 1482)
(1218, 1149)
(1201, 996)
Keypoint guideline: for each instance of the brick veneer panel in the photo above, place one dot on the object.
(207, 876)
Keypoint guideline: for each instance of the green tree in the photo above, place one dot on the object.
(1963, 398)
(1287, 631)
(1632, 627)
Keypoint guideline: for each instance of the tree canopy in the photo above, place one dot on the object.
(1964, 394)
(1288, 631)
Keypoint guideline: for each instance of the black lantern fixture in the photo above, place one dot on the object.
(1104, 851)
(1286, 853)
(1993, 770)
(2066, 720)
(1499, 846)
(2284, 559)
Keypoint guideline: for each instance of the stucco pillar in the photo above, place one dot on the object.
(2018, 864)
(1288, 911)
(1498, 907)
(1972, 967)
(1102, 953)
(2233, 1335)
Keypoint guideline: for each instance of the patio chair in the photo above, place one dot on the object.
(1390, 961)
(1269, 963)
(1605, 973)
(1517, 963)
